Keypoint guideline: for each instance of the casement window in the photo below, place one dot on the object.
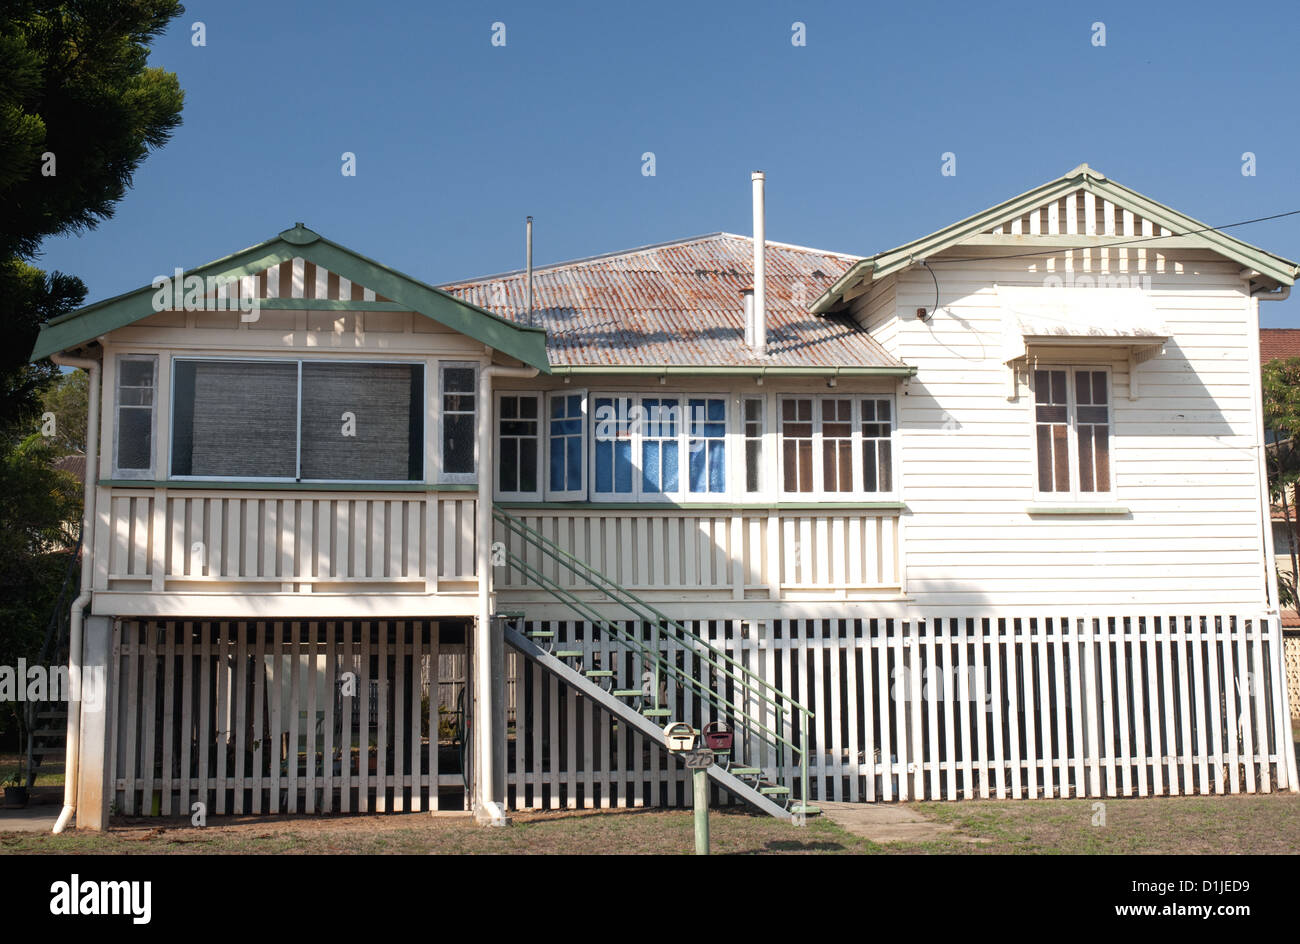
(836, 447)
(707, 445)
(295, 420)
(752, 433)
(1072, 431)
(137, 382)
(661, 446)
(458, 395)
(566, 433)
(658, 447)
(519, 447)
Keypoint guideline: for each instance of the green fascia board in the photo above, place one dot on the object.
(826, 507)
(524, 343)
(563, 370)
(1275, 267)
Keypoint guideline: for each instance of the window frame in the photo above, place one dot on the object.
(584, 439)
(543, 467)
(819, 493)
(457, 478)
(1075, 495)
(150, 473)
(744, 440)
(298, 361)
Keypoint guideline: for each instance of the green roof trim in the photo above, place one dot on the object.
(564, 370)
(524, 343)
(1082, 177)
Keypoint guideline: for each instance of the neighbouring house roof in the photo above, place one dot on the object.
(74, 465)
(1082, 178)
(679, 304)
(285, 259)
(1278, 344)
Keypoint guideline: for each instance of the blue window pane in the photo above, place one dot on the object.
(574, 465)
(557, 463)
(670, 466)
(604, 466)
(717, 467)
(698, 457)
(623, 466)
(650, 471)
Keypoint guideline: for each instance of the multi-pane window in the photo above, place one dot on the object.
(297, 420)
(1072, 430)
(797, 444)
(707, 445)
(753, 435)
(660, 445)
(612, 451)
(877, 453)
(837, 445)
(833, 445)
(458, 393)
(136, 383)
(519, 448)
(565, 434)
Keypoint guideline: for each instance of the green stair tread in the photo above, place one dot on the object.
(541, 634)
(569, 653)
(770, 791)
(627, 693)
(600, 673)
(512, 614)
(806, 810)
(745, 771)
(657, 712)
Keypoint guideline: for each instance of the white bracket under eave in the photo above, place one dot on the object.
(1132, 374)
(1013, 385)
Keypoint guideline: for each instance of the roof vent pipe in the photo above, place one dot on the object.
(528, 265)
(758, 335)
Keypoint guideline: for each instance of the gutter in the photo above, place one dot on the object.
(664, 370)
(70, 776)
(488, 808)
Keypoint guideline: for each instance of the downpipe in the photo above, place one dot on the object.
(488, 808)
(71, 766)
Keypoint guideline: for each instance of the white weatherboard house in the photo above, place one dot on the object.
(980, 516)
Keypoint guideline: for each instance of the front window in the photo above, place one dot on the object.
(459, 396)
(836, 447)
(1072, 430)
(133, 448)
(297, 420)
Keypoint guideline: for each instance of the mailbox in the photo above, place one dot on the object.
(718, 736)
(679, 736)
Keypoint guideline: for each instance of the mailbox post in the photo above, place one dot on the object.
(680, 739)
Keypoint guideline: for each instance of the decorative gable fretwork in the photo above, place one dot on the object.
(298, 278)
(1080, 213)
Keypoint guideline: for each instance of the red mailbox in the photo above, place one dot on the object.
(718, 736)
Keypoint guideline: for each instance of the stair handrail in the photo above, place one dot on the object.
(613, 590)
(716, 699)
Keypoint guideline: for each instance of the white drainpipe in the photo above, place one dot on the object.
(759, 333)
(78, 605)
(491, 808)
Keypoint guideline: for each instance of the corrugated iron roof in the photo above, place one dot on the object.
(680, 304)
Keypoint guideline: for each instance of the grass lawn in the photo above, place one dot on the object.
(1244, 824)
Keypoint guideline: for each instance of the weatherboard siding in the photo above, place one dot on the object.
(1184, 455)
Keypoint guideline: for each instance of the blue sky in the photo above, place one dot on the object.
(457, 140)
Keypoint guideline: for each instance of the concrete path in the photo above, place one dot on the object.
(884, 822)
(32, 819)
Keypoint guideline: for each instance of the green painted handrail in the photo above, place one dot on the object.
(749, 683)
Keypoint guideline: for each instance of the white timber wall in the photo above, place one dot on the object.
(1184, 454)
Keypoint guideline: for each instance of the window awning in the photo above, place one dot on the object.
(1072, 316)
(1114, 317)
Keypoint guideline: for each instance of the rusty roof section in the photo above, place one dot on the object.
(680, 304)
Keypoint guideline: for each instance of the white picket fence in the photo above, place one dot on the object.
(993, 706)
